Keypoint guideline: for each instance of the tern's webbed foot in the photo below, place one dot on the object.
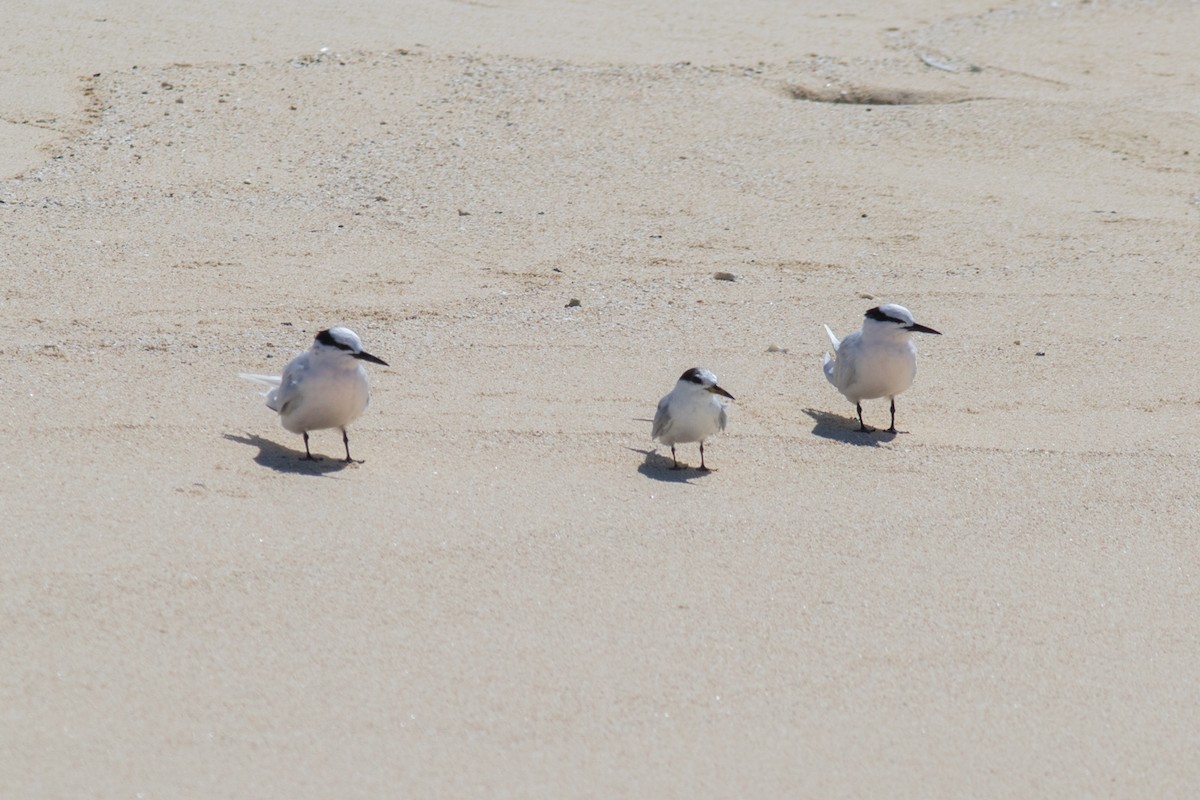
(703, 468)
(864, 429)
(892, 429)
(677, 466)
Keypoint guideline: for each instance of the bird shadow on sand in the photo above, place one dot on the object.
(845, 430)
(284, 459)
(657, 467)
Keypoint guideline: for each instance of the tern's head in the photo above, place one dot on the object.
(703, 381)
(891, 317)
(345, 341)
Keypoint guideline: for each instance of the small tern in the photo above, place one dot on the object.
(878, 361)
(323, 387)
(691, 412)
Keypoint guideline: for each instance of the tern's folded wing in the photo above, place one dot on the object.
(662, 420)
(289, 386)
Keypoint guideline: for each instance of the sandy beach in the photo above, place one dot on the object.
(513, 595)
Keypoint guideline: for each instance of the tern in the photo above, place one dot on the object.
(691, 412)
(326, 386)
(878, 361)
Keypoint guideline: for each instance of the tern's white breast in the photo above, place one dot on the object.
(326, 398)
(882, 367)
(695, 415)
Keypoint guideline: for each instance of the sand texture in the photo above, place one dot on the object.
(513, 596)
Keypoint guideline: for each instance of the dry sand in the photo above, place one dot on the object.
(512, 596)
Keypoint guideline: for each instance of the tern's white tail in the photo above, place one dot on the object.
(828, 365)
(267, 380)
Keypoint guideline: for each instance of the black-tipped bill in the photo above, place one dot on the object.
(918, 328)
(378, 360)
(720, 391)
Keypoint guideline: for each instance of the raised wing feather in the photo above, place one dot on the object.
(833, 339)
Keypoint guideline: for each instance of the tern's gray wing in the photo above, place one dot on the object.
(289, 383)
(845, 368)
(662, 419)
(723, 417)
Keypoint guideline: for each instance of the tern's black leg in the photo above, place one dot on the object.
(308, 456)
(346, 441)
(674, 460)
(862, 426)
(702, 467)
(893, 428)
